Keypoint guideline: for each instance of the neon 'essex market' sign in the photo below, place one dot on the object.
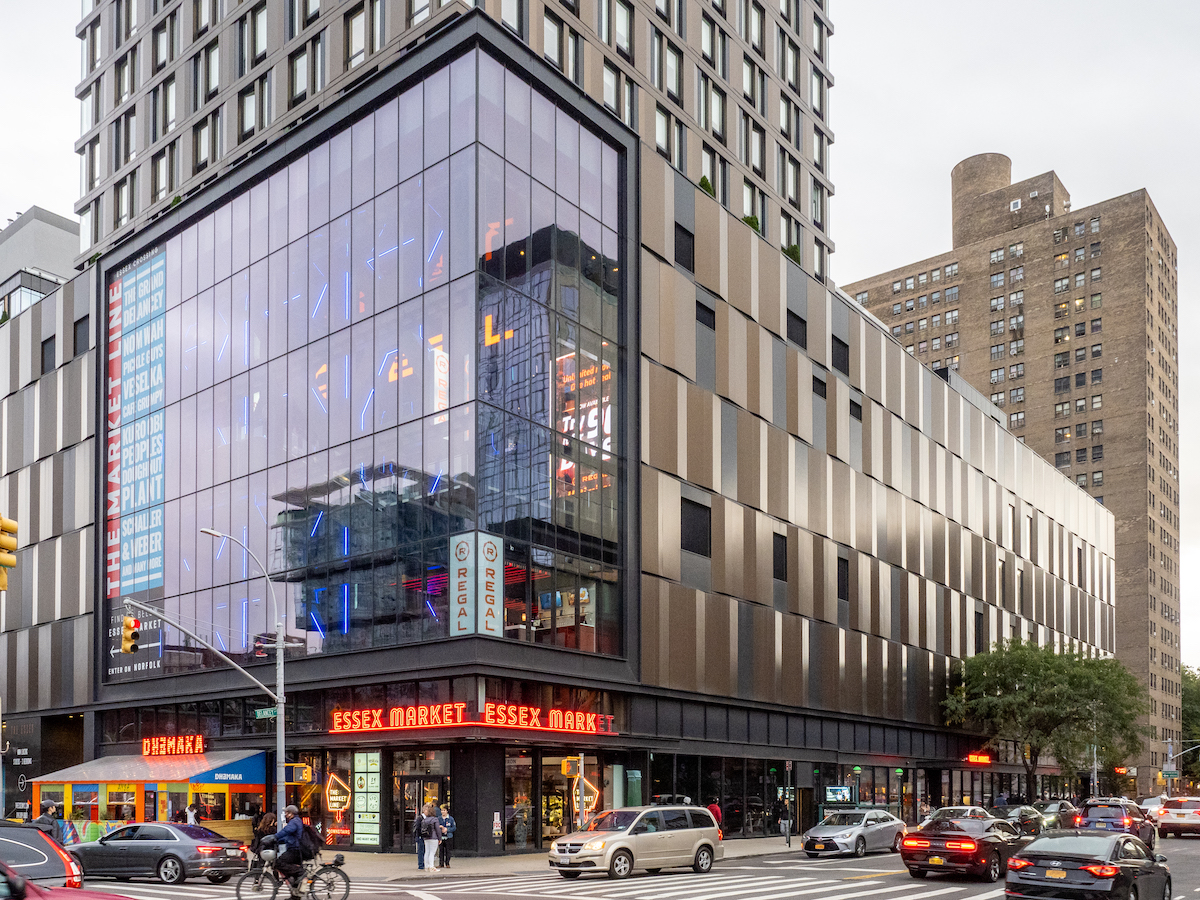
(493, 715)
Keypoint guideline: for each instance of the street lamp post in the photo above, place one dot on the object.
(280, 774)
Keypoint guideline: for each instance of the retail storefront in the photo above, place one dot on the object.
(158, 785)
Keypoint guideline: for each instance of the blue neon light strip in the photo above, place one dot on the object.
(324, 289)
(317, 524)
(320, 630)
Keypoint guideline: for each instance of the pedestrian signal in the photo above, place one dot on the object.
(570, 767)
(8, 549)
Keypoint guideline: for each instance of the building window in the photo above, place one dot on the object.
(164, 172)
(1016, 274)
(952, 317)
(165, 41)
(952, 294)
(125, 200)
(1097, 376)
(1096, 225)
(206, 140)
(418, 12)
(1096, 274)
(206, 75)
(1017, 370)
(695, 527)
(952, 340)
(162, 109)
(1062, 460)
(254, 107)
(512, 14)
(301, 14)
(125, 138)
(996, 376)
(1098, 426)
(1097, 300)
(125, 74)
(1062, 435)
(90, 224)
(1097, 479)
(1016, 419)
(252, 38)
(1061, 285)
(1097, 401)
(840, 355)
(93, 48)
(306, 71)
(82, 339)
(1016, 395)
(818, 93)
(997, 351)
(48, 355)
(997, 398)
(205, 13)
(779, 567)
(1097, 351)
(685, 248)
(1097, 452)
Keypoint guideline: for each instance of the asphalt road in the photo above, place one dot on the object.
(879, 876)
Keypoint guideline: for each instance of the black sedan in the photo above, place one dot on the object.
(1056, 813)
(1087, 865)
(36, 857)
(973, 846)
(1025, 819)
(170, 853)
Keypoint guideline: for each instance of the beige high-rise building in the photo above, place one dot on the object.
(1068, 319)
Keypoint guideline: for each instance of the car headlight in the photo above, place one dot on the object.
(843, 836)
(594, 845)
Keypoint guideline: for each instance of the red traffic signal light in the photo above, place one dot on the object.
(131, 631)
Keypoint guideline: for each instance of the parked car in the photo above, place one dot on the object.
(1086, 865)
(1056, 813)
(172, 853)
(854, 832)
(960, 812)
(1025, 819)
(35, 856)
(975, 846)
(640, 837)
(1179, 816)
(17, 887)
(1116, 814)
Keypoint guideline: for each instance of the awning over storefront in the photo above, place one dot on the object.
(221, 766)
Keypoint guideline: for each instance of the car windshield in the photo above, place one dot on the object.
(1182, 804)
(1003, 811)
(964, 824)
(198, 833)
(1107, 811)
(1043, 805)
(953, 812)
(1094, 846)
(843, 820)
(613, 820)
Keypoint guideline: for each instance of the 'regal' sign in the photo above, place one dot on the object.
(493, 715)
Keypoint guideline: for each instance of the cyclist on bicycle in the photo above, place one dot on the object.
(289, 862)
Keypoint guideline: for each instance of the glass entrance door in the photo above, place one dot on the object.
(414, 793)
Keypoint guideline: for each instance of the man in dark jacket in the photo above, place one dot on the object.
(420, 816)
(289, 862)
(449, 826)
(46, 820)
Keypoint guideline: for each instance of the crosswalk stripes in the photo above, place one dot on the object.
(200, 890)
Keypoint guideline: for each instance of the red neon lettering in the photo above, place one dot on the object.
(145, 746)
(459, 708)
(524, 717)
(337, 721)
(535, 717)
(410, 716)
(376, 715)
(489, 713)
(591, 722)
(435, 715)
(422, 715)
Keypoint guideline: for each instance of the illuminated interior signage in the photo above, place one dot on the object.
(337, 798)
(494, 715)
(981, 758)
(174, 745)
(1122, 770)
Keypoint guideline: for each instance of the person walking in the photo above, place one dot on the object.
(45, 821)
(418, 820)
(193, 814)
(430, 834)
(266, 825)
(449, 826)
(714, 807)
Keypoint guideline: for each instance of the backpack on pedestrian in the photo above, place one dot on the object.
(310, 842)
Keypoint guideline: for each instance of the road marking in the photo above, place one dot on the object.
(874, 875)
(424, 895)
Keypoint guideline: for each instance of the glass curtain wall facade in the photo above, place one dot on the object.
(408, 333)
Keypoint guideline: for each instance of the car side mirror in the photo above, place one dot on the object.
(640, 828)
(16, 887)
(1158, 857)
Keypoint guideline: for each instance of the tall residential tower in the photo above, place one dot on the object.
(1068, 319)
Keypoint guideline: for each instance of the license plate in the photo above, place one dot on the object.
(819, 846)
(1056, 873)
(233, 852)
(1100, 825)
(1180, 815)
(936, 861)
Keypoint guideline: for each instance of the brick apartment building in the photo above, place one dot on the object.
(1068, 319)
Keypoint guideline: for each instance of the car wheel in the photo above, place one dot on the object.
(992, 872)
(170, 870)
(704, 860)
(218, 877)
(860, 846)
(896, 841)
(1167, 891)
(621, 865)
(917, 873)
(570, 874)
(1133, 892)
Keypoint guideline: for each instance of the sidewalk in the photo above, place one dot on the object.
(403, 866)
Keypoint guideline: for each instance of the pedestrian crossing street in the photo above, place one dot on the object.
(770, 885)
(751, 884)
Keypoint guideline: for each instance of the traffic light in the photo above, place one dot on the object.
(130, 633)
(570, 766)
(8, 549)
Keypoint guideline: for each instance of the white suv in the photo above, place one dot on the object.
(1178, 815)
(640, 837)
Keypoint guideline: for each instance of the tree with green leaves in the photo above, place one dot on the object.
(1190, 732)
(1050, 704)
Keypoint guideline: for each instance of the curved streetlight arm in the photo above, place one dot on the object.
(150, 610)
(280, 773)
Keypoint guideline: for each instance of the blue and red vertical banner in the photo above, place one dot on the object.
(135, 420)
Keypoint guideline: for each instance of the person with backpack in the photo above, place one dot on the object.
(420, 841)
(449, 826)
(430, 835)
(290, 861)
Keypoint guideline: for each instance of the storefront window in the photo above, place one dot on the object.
(211, 805)
(245, 804)
(755, 808)
(85, 804)
(339, 781)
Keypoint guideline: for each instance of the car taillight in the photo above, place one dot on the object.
(1102, 871)
(1016, 863)
(1078, 821)
(208, 849)
(969, 846)
(1126, 821)
(914, 842)
(74, 873)
(720, 834)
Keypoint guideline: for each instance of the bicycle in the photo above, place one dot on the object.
(318, 881)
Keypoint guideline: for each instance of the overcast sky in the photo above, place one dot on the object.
(1105, 93)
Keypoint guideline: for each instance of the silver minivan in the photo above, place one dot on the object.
(640, 837)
